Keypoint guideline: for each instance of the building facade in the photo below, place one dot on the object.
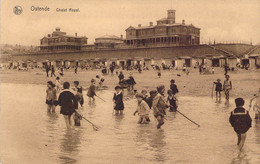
(165, 32)
(60, 41)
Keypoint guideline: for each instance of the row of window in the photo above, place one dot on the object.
(58, 40)
(163, 30)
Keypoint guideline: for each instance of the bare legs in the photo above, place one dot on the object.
(51, 108)
(241, 140)
(227, 93)
(160, 121)
(68, 121)
(93, 99)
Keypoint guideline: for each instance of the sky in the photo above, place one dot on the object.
(219, 20)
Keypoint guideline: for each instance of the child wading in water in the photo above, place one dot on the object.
(79, 95)
(142, 109)
(173, 87)
(218, 88)
(58, 85)
(118, 100)
(68, 104)
(159, 106)
(227, 86)
(240, 121)
(257, 104)
(51, 97)
(172, 100)
(91, 91)
(80, 100)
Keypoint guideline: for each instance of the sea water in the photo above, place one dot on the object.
(29, 134)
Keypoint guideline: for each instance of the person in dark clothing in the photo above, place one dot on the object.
(61, 70)
(121, 76)
(218, 88)
(159, 73)
(226, 67)
(131, 82)
(149, 100)
(112, 69)
(53, 71)
(76, 70)
(241, 121)
(118, 100)
(172, 100)
(47, 70)
(139, 69)
(174, 87)
(68, 103)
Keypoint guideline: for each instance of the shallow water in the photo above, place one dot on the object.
(30, 135)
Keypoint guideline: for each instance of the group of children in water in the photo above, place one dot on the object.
(227, 86)
(69, 103)
(239, 118)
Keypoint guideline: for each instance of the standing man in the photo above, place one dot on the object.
(47, 69)
(121, 76)
(76, 69)
(112, 69)
(53, 71)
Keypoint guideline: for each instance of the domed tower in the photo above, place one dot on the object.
(171, 16)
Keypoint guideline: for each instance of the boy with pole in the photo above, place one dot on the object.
(218, 89)
(159, 106)
(68, 103)
(91, 91)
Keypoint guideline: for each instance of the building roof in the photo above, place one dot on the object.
(166, 25)
(108, 37)
(68, 36)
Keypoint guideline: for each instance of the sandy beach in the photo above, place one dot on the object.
(245, 83)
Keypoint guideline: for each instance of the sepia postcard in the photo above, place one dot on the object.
(130, 81)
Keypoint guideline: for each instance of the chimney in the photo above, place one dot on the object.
(183, 21)
(76, 34)
(151, 23)
(139, 25)
(121, 36)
